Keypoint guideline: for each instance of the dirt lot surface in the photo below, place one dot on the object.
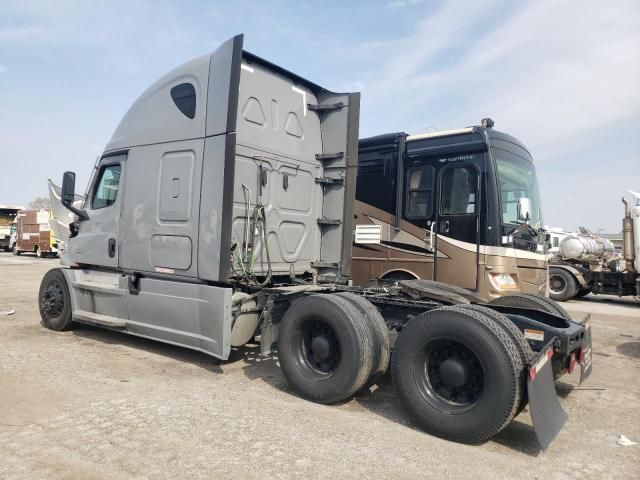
(95, 404)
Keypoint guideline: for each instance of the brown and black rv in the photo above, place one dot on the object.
(460, 207)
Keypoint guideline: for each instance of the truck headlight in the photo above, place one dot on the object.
(503, 281)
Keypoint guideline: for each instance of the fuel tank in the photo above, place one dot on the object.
(586, 248)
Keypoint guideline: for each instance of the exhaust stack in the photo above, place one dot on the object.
(627, 236)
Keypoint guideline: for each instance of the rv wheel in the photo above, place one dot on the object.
(458, 374)
(325, 348)
(55, 302)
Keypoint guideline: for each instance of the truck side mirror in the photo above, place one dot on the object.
(524, 209)
(68, 188)
(68, 195)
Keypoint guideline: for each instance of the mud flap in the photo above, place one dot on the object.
(585, 353)
(547, 414)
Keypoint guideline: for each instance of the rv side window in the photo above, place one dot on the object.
(106, 190)
(419, 192)
(458, 191)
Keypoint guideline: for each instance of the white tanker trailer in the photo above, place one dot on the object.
(587, 263)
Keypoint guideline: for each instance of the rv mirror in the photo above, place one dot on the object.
(524, 209)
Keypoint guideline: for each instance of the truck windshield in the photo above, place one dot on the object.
(517, 179)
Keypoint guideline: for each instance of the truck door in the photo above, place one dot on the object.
(456, 228)
(97, 240)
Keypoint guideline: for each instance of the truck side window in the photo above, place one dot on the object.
(106, 190)
(184, 97)
(419, 192)
(458, 191)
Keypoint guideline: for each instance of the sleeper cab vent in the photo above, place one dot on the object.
(184, 96)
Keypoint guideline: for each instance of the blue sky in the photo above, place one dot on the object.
(562, 76)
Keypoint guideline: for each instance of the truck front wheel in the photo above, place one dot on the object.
(55, 302)
(562, 285)
(458, 374)
(325, 348)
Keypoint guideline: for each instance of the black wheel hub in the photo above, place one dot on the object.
(320, 346)
(52, 301)
(451, 377)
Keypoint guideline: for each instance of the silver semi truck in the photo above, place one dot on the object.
(221, 213)
(587, 263)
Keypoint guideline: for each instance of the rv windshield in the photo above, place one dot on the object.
(517, 179)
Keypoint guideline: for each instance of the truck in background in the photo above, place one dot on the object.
(7, 219)
(222, 210)
(458, 206)
(33, 234)
(587, 263)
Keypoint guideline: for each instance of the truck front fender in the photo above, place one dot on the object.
(573, 271)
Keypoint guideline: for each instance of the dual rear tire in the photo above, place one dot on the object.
(330, 346)
(459, 373)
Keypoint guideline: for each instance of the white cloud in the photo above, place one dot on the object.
(396, 4)
(548, 65)
(3, 69)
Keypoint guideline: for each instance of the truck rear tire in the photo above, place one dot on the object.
(381, 346)
(457, 372)
(521, 343)
(325, 348)
(55, 302)
(15, 250)
(526, 300)
(562, 285)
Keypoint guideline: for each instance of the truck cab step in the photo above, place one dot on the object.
(99, 319)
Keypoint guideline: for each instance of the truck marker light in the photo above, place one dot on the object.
(165, 270)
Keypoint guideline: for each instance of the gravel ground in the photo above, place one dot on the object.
(96, 404)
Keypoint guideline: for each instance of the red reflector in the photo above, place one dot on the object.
(546, 356)
(582, 355)
(572, 362)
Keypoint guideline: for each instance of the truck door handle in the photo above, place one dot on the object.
(112, 247)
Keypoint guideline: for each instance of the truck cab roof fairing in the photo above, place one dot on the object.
(154, 117)
(157, 117)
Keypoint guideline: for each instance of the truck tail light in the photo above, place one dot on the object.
(572, 362)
